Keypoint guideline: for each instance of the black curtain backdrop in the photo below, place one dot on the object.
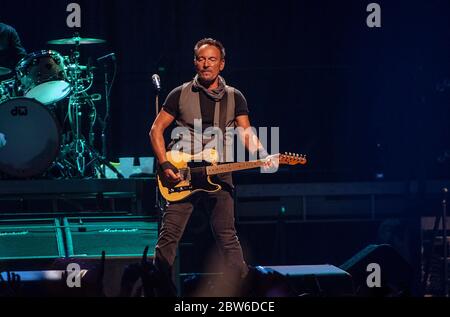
(335, 87)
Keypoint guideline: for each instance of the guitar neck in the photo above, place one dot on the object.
(232, 167)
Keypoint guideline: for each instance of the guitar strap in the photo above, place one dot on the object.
(221, 111)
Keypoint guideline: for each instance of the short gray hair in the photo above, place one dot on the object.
(210, 41)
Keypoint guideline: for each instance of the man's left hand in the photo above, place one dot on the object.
(271, 164)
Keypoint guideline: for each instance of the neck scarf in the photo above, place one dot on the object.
(215, 94)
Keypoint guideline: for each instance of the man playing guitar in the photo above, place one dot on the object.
(202, 98)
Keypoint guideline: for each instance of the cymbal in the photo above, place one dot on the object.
(4, 71)
(76, 41)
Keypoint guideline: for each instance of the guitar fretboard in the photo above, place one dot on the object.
(232, 167)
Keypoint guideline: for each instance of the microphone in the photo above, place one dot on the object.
(156, 82)
(112, 55)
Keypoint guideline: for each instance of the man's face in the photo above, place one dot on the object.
(208, 63)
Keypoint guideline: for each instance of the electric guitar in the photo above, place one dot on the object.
(195, 178)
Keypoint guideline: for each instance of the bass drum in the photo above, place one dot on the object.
(31, 138)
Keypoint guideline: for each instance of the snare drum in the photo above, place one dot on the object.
(42, 75)
(31, 138)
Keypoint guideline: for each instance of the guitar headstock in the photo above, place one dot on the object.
(292, 159)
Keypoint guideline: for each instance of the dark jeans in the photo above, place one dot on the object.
(176, 216)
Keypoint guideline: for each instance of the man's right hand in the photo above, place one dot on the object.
(171, 173)
(171, 176)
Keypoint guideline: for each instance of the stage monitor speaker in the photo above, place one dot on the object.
(302, 280)
(124, 237)
(30, 241)
(396, 274)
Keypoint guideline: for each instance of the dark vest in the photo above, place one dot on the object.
(188, 136)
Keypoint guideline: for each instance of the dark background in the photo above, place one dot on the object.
(356, 100)
(335, 87)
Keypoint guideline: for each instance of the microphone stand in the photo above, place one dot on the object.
(104, 124)
(158, 205)
(105, 120)
(445, 242)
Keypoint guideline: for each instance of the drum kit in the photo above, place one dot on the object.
(44, 106)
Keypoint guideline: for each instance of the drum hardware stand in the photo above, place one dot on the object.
(79, 147)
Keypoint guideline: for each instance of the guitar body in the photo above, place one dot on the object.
(193, 174)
